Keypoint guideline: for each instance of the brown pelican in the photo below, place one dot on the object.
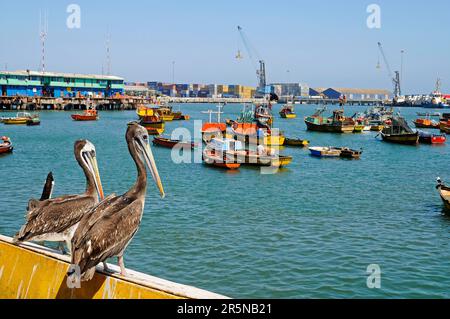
(108, 228)
(56, 219)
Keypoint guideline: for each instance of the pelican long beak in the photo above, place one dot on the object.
(150, 160)
(93, 165)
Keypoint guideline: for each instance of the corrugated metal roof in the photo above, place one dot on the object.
(62, 75)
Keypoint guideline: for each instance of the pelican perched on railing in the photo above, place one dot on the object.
(109, 227)
(56, 219)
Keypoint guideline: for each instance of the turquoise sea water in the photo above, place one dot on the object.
(309, 231)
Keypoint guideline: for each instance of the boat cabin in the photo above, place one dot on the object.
(226, 145)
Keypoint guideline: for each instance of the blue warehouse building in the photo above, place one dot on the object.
(49, 84)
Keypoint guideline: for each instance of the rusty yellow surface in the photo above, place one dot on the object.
(30, 274)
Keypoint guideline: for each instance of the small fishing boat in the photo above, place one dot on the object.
(400, 133)
(325, 151)
(215, 153)
(235, 152)
(343, 152)
(212, 129)
(287, 112)
(444, 126)
(296, 142)
(34, 121)
(376, 126)
(252, 134)
(349, 153)
(153, 125)
(436, 114)
(166, 114)
(211, 157)
(87, 115)
(337, 123)
(21, 118)
(430, 138)
(169, 143)
(426, 123)
(5, 145)
(444, 192)
(359, 128)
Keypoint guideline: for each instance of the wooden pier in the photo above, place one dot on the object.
(22, 103)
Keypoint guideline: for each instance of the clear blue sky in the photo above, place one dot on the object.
(322, 43)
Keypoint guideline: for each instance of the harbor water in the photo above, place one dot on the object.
(310, 231)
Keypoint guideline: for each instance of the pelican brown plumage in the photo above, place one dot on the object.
(107, 230)
(56, 219)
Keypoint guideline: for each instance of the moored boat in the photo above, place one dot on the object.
(444, 126)
(343, 152)
(21, 118)
(236, 152)
(34, 121)
(287, 112)
(400, 133)
(426, 123)
(169, 143)
(252, 134)
(337, 123)
(444, 192)
(166, 114)
(153, 125)
(349, 153)
(359, 128)
(5, 145)
(296, 142)
(430, 138)
(325, 151)
(87, 115)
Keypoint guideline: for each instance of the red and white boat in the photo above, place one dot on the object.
(87, 115)
(430, 138)
(5, 145)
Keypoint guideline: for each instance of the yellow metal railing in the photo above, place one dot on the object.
(33, 272)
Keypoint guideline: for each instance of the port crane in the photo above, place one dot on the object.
(394, 76)
(261, 70)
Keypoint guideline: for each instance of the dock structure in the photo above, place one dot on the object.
(316, 101)
(29, 271)
(8, 103)
(195, 100)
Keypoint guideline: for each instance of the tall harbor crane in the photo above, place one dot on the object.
(252, 53)
(395, 78)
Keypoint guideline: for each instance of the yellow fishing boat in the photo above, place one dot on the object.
(166, 114)
(287, 112)
(359, 128)
(143, 111)
(20, 119)
(274, 140)
(29, 271)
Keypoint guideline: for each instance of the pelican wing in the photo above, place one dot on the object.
(110, 203)
(55, 216)
(109, 235)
